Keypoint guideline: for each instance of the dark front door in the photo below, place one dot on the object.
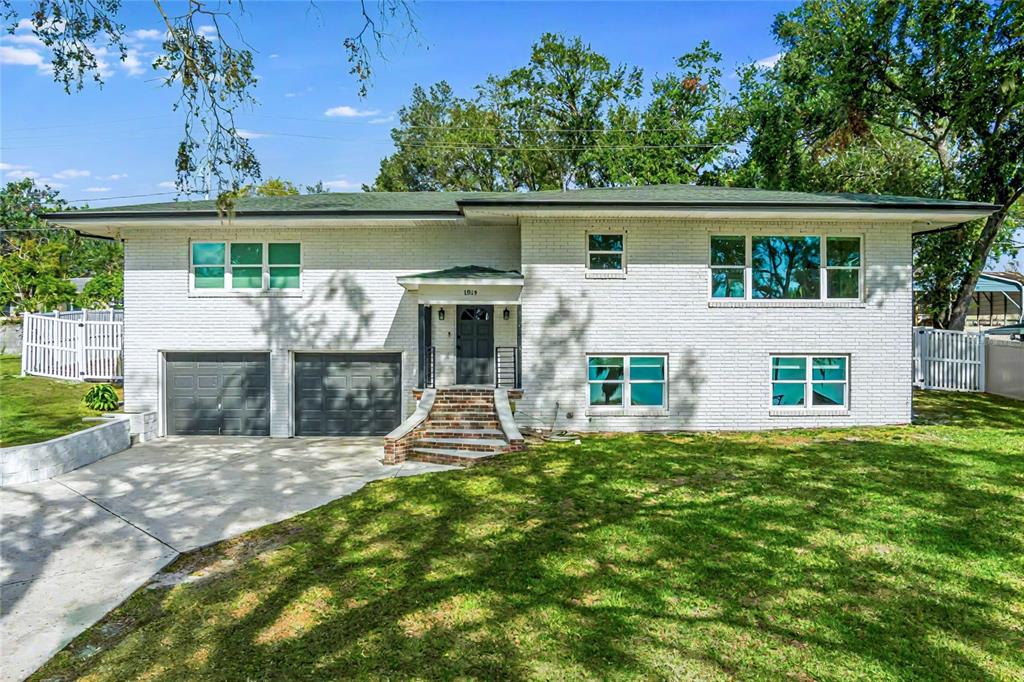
(474, 345)
(347, 394)
(218, 394)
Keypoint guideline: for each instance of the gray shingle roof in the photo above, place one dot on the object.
(383, 204)
(468, 272)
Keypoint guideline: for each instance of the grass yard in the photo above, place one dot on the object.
(33, 409)
(870, 554)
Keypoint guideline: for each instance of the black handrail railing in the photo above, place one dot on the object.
(506, 367)
(428, 370)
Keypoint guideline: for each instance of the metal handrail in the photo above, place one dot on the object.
(428, 372)
(506, 367)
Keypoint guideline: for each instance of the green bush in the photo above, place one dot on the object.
(102, 398)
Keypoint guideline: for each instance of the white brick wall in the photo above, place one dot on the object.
(350, 300)
(718, 358)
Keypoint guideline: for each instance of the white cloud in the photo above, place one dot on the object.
(24, 39)
(346, 111)
(10, 166)
(21, 174)
(22, 56)
(114, 176)
(69, 173)
(50, 182)
(146, 34)
(250, 134)
(167, 184)
(97, 189)
(291, 94)
(342, 184)
(383, 119)
(769, 62)
(132, 64)
(274, 56)
(208, 31)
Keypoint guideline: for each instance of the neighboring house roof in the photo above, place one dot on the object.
(387, 204)
(80, 283)
(1009, 282)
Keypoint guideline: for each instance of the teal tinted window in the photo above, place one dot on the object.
(843, 251)
(647, 369)
(727, 283)
(647, 395)
(284, 254)
(828, 394)
(605, 393)
(246, 277)
(828, 369)
(284, 278)
(844, 283)
(246, 254)
(788, 394)
(786, 267)
(209, 278)
(606, 369)
(606, 242)
(208, 253)
(729, 251)
(604, 251)
(789, 369)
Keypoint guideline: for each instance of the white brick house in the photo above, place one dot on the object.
(659, 308)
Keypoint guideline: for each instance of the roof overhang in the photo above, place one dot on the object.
(924, 218)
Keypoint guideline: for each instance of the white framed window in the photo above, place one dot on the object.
(755, 267)
(808, 382)
(606, 252)
(245, 266)
(620, 381)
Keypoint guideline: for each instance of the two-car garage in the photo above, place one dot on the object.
(333, 394)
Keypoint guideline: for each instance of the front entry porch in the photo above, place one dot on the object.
(468, 327)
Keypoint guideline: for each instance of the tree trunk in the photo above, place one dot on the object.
(979, 255)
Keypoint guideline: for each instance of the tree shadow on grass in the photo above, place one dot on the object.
(751, 555)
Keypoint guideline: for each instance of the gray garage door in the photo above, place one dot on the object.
(224, 394)
(347, 394)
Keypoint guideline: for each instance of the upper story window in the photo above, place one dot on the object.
(606, 252)
(245, 266)
(768, 267)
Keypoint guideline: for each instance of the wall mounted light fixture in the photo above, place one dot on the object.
(505, 314)
(440, 314)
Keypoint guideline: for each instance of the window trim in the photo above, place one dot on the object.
(592, 272)
(627, 408)
(228, 290)
(748, 270)
(808, 381)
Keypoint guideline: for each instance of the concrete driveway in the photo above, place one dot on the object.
(76, 546)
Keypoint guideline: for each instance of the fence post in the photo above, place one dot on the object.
(24, 342)
(80, 349)
(982, 352)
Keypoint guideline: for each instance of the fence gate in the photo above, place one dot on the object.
(949, 360)
(80, 345)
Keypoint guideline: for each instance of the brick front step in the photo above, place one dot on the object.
(450, 415)
(476, 444)
(448, 456)
(456, 432)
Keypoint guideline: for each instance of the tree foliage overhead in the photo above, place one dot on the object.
(569, 118)
(213, 71)
(922, 97)
(37, 261)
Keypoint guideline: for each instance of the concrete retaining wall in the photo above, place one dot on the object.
(39, 461)
(1004, 368)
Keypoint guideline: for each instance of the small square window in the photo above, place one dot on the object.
(605, 251)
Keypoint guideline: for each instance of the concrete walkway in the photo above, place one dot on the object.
(76, 546)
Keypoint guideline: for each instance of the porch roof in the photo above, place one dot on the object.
(463, 274)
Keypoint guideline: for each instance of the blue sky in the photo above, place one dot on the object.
(120, 140)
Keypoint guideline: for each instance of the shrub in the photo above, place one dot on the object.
(102, 398)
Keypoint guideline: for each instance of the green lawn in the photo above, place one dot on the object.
(33, 409)
(869, 554)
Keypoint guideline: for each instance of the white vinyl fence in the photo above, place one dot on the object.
(949, 360)
(79, 345)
